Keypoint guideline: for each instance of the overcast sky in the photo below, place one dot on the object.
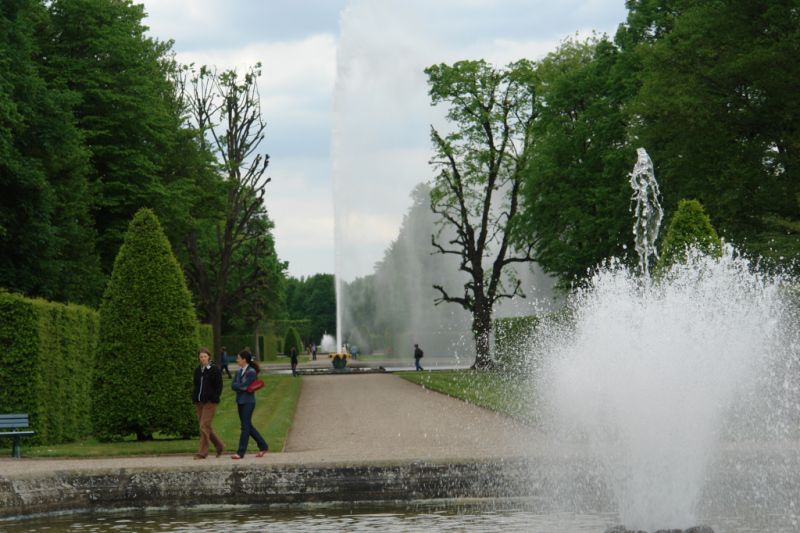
(374, 97)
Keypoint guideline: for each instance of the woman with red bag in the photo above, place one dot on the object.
(246, 404)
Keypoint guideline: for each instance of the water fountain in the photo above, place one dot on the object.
(653, 373)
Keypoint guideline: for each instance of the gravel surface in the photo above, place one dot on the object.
(368, 418)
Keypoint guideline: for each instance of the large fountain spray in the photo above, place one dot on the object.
(649, 371)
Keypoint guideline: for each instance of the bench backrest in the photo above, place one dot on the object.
(13, 421)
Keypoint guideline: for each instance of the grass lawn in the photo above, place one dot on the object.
(491, 390)
(275, 406)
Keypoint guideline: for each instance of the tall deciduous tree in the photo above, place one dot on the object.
(148, 339)
(576, 195)
(232, 261)
(125, 111)
(476, 191)
(46, 235)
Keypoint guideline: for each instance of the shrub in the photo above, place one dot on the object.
(690, 226)
(292, 338)
(148, 340)
(46, 360)
(270, 347)
(205, 333)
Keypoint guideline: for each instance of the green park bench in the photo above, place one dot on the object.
(15, 423)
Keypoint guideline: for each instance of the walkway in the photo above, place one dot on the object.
(354, 419)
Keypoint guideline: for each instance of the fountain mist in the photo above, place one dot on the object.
(650, 371)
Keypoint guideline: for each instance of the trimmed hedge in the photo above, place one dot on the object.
(46, 361)
(690, 226)
(292, 338)
(237, 343)
(148, 340)
(205, 333)
(270, 347)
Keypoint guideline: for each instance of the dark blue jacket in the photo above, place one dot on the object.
(240, 384)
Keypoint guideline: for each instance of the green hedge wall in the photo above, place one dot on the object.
(237, 343)
(292, 338)
(270, 347)
(206, 334)
(47, 355)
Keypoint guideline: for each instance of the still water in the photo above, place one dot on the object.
(483, 516)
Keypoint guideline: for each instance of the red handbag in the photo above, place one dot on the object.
(255, 385)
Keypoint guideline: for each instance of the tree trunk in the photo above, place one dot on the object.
(481, 330)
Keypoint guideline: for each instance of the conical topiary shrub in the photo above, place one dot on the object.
(690, 226)
(148, 340)
(292, 338)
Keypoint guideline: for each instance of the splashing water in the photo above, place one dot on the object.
(328, 344)
(647, 209)
(649, 371)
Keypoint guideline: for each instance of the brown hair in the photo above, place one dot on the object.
(203, 350)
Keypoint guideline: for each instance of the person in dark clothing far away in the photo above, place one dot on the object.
(223, 361)
(206, 393)
(417, 356)
(293, 355)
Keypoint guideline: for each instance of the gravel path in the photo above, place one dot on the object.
(369, 418)
(384, 417)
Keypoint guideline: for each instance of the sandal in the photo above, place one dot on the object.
(199, 456)
(236, 457)
(219, 452)
(261, 453)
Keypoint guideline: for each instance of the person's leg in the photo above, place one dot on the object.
(262, 444)
(209, 410)
(245, 414)
(202, 451)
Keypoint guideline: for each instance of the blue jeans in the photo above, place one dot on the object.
(247, 429)
(417, 366)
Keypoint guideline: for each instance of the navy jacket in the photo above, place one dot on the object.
(240, 384)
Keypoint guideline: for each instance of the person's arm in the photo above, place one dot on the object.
(194, 385)
(247, 379)
(217, 374)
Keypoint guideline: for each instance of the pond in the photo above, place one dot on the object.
(429, 516)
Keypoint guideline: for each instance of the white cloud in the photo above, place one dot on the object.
(296, 75)
(301, 206)
(380, 126)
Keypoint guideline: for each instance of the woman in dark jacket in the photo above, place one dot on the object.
(206, 393)
(246, 403)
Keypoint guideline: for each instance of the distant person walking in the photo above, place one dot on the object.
(293, 355)
(223, 361)
(313, 352)
(246, 404)
(206, 393)
(417, 356)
